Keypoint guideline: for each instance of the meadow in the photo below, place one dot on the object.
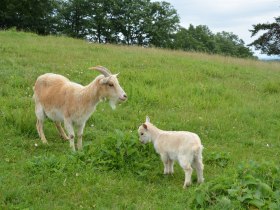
(232, 104)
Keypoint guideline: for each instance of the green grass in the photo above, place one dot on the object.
(233, 104)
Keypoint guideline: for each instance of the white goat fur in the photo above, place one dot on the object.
(61, 100)
(183, 146)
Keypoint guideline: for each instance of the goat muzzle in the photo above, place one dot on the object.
(123, 98)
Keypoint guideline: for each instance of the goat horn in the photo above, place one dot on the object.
(102, 70)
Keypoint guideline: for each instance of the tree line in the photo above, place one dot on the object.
(131, 22)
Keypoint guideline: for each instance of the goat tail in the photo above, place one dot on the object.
(197, 149)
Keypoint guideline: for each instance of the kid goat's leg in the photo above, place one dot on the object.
(170, 164)
(185, 164)
(165, 161)
(188, 174)
(199, 167)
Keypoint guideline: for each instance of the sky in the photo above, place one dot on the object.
(237, 16)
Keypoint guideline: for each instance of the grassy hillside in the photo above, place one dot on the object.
(233, 105)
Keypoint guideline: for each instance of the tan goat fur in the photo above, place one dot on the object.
(61, 100)
(183, 146)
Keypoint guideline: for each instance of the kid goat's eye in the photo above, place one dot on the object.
(111, 85)
(142, 134)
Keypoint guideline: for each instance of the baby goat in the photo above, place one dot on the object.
(175, 145)
(61, 100)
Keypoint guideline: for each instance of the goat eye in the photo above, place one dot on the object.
(111, 85)
(142, 134)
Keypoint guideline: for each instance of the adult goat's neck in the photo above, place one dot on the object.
(92, 93)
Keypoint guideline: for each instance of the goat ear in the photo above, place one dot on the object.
(104, 80)
(117, 75)
(147, 119)
(145, 126)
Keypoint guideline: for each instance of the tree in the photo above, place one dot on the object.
(163, 23)
(201, 39)
(74, 18)
(198, 38)
(269, 42)
(29, 15)
(129, 19)
(102, 21)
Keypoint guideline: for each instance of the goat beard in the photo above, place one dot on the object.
(113, 102)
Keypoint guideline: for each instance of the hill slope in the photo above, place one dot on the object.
(233, 104)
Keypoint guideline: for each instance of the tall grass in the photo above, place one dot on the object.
(233, 104)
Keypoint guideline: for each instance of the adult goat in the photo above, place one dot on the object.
(61, 100)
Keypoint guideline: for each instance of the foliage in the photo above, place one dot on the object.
(31, 15)
(255, 185)
(201, 39)
(131, 20)
(269, 41)
(164, 23)
(198, 38)
(73, 18)
(219, 159)
(122, 152)
(230, 44)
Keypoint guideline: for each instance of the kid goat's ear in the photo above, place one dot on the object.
(147, 119)
(145, 126)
